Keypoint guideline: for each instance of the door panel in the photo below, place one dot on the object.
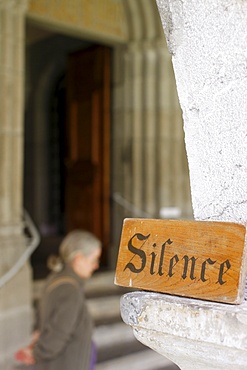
(87, 143)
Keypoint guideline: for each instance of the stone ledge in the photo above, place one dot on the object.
(213, 334)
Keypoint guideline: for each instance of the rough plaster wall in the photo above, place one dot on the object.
(208, 43)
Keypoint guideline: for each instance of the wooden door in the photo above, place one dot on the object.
(87, 143)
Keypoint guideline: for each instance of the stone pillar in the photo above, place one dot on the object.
(151, 136)
(173, 183)
(207, 41)
(15, 307)
(147, 135)
(149, 126)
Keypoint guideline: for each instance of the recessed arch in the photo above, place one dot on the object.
(143, 20)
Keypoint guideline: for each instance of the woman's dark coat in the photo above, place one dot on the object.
(65, 325)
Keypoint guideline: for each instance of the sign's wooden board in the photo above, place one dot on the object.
(197, 259)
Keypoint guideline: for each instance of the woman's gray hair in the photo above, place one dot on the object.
(77, 241)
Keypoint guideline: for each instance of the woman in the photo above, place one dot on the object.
(64, 340)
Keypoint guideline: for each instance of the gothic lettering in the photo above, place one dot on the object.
(137, 251)
(173, 261)
(154, 255)
(203, 270)
(160, 262)
(223, 271)
(186, 264)
(162, 256)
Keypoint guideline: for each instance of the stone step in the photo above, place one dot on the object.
(115, 340)
(102, 283)
(142, 360)
(105, 310)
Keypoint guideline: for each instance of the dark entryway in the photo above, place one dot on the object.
(87, 142)
(67, 142)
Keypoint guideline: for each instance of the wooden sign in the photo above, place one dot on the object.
(196, 259)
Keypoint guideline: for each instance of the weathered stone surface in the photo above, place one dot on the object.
(207, 40)
(192, 333)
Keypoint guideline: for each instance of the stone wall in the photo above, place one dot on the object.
(15, 297)
(207, 41)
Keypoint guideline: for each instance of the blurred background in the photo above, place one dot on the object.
(103, 128)
(91, 134)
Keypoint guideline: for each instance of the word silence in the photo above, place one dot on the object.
(197, 259)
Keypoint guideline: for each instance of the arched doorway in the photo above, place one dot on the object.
(67, 146)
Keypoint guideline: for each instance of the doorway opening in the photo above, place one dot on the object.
(67, 140)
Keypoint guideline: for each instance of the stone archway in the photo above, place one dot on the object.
(150, 152)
